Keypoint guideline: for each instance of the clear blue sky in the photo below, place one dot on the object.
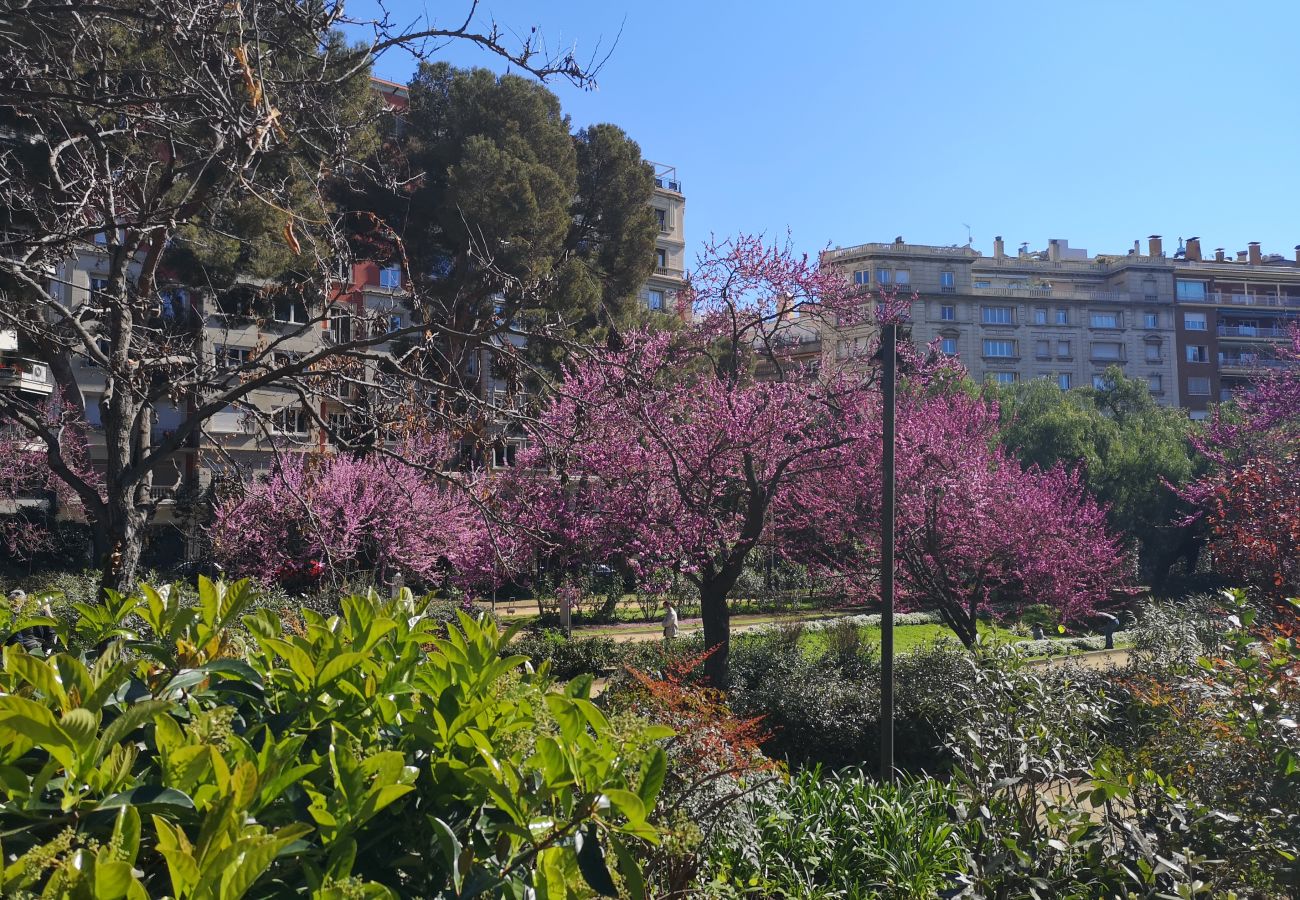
(846, 122)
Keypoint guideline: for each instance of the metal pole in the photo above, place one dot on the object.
(888, 345)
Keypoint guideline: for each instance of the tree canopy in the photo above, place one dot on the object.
(1132, 451)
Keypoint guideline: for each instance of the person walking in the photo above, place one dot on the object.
(670, 620)
(36, 638)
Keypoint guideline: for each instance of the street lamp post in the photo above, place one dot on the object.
(889, 354)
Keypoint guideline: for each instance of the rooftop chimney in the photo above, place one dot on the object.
(1154, 246)
(1136, 251)
(784, 307)
(1297, 253)
(1253, 250)
(1193, 249)
(1241, 256)
(1054, 250)
(999, 248)
(1218, 254)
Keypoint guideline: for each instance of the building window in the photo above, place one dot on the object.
(289, 421)
(948, 313)
(1190, 290)
(661, 259)
(655, 300)
(1153, 353)
(340, 327)
(1107, 350)
(947, 282)
(1104, 320)
(981, 283)
(1194, 321)
(1043, 349)
(390, 278)
(948, 345)
(1151, 320)
(1062, 317)
(862, 276)
(1099, 382)
(902, 278)
(882, 277)
(395, 322)
(1063, 381)
(229, 357)
(661, 216)
(339, 424)
(1063, 349)
(997, 315)
(1198, 387)
(99, 285)
(290, 311)
(999, 349)
(1155, 384)
(1197, 353)
(1040, 315)
(1002, 377)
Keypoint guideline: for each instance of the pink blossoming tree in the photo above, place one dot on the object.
(1251, 496)
(344, 514)
(974, 528)
(668, 453)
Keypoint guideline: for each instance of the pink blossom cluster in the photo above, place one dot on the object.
(347, 514)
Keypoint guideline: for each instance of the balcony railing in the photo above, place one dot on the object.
(25, 374)
(1250, 361)
(1251, 331)
(905, 249)
(670, 272)
(1218, 298)
(1059, 293)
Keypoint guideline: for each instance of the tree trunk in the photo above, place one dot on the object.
(717, 631)
(118, 543)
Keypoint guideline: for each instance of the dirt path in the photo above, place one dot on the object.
(1093, 659)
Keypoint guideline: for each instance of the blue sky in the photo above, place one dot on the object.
(1098, 122)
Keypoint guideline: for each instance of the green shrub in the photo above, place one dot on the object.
(371, 754)
(569, 657)
(844, 836)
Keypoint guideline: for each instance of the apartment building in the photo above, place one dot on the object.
(1229, 311)
(1056, 313)
(660, 291)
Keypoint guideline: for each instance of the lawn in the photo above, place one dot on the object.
(910, 637)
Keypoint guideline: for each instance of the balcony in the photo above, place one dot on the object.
(666, 178)
(25, 375)
(670, 272)
(1252, 331)
(1216, 298)
(1245, 363)
(1060, 293)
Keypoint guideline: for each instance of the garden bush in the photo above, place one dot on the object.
(826, 709)
(369, 754)
(843, 835)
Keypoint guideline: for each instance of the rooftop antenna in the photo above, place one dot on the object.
(968, 237)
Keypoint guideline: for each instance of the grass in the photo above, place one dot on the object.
(910, 637)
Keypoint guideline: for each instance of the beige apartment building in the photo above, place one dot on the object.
(660, 291)
(1056, 313)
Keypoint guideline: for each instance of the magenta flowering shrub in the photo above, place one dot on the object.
(334, 515)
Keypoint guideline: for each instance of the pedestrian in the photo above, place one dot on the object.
(670, 620)
(1110, 625)
(36, 638)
